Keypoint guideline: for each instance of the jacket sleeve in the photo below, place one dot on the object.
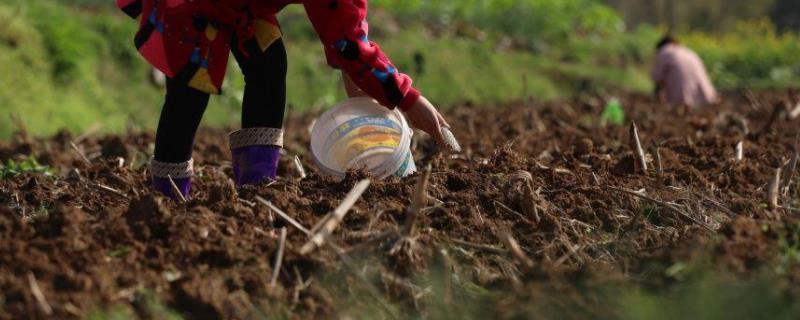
(342, 27)
(206, 8)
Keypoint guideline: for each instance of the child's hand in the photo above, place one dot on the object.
(424, 116)
(351, 88)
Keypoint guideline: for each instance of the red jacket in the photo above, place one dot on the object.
(190, 40)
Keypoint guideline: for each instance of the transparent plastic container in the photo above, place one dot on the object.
(360, 133)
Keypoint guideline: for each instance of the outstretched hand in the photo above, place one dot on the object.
(424, 116)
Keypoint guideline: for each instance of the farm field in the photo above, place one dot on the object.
(547, 213)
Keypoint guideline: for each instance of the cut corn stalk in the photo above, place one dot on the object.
(299, 165)
(774, 190)
(636, 145)
(418, 201)
(335, 218)
(740, 151)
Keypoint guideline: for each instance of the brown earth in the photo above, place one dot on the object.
(544, 176)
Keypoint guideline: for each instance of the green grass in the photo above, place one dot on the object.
(683, 290)
(754, 55)
(70, 67)
(709, 298)
(59, 71)
(789, 243)
(62, 68)
(29, 165)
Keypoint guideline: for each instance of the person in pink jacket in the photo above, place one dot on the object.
(680, 76)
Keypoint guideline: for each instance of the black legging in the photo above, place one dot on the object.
(263, 104)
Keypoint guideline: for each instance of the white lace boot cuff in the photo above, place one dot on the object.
(175, 170)
(256, 137)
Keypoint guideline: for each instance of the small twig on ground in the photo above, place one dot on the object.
(715, 203)
(789, 172)
(512, 211)
(755, 105)
(721, 207)
(283, 215)
(740, 151)
(572, 251)
(636, 145)
(278, 259)
(38, 295)
(436, 202)
(73, 310)
(477, 211)
(111, 190)
(773, 191)
(743, 124)
(340, 252)
(299, 285)
(519, 177)
(336, 217)
(320, 223)
(418, 201)
(776, 112)
(80, 153)
(17, 204)
(374, 219)
(363, 245)
(530, 205)
(514, 248)
(176, 190)
(94, 128)
(578, 222)
(795, 112)
(299, 165)
(484, 247)
(411, 289)
(659, 166)
(663, 204)
(247, 203)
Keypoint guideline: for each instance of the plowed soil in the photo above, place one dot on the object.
(544, 200)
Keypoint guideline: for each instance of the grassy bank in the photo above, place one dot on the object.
(63, 66)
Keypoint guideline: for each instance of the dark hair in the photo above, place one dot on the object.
(667, 39)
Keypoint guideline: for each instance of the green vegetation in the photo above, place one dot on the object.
(534, 23)
(691, 292)
(65, 69)
(789, 244)
(753, 55)
(29, 165)
(112, 313)
(613, 113)
(707, 15)
(709, 298)
(71, 64)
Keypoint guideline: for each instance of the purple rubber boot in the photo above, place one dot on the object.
(181, 174)
(255, 153)
(255, 164)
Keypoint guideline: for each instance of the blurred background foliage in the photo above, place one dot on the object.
(71, 63)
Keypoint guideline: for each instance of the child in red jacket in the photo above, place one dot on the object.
(190, 41)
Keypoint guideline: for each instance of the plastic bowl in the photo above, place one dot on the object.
(360, 133)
